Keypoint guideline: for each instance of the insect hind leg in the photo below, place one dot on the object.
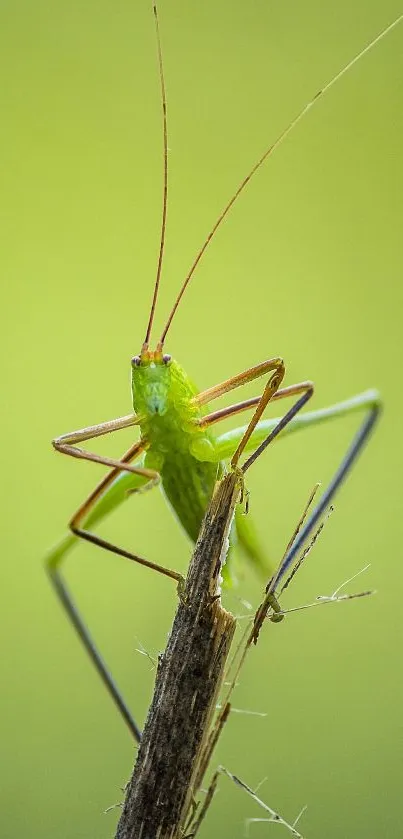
(52, 566)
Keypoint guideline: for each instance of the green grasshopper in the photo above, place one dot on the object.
(176, 448)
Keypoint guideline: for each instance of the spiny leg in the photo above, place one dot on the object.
(345, 466)
(245, 532)
(55, 559)
(267, 430)
(373, 405)
(67, 445)
(260, 402)
(270, 393)
(301, 533)
(53, 562)
(272, 364)
(240, 407)
(307, 389)
(275, 364)
(83, 511)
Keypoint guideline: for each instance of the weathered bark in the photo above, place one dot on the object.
(170, 761)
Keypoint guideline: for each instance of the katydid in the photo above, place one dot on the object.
(176, 447)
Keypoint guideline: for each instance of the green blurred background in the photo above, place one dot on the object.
(308, 266)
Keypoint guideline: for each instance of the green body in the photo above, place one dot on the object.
(185, 454)
(162, 397)
(189, 458)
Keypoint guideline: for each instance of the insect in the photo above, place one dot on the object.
(176, 447)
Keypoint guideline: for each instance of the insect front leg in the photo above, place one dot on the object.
(243, 438)
(67, 443)
(247, 536)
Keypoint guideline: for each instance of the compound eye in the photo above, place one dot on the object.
(136, 360)
(166, 359)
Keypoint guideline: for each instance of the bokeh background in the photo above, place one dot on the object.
(308, 266)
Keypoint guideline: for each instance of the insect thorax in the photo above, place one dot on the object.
(162, 397)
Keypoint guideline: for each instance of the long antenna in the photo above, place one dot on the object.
(165, 188)
(290, 127)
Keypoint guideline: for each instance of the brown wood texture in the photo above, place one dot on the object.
(175, 745)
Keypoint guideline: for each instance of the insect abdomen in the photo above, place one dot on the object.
(188, 485)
